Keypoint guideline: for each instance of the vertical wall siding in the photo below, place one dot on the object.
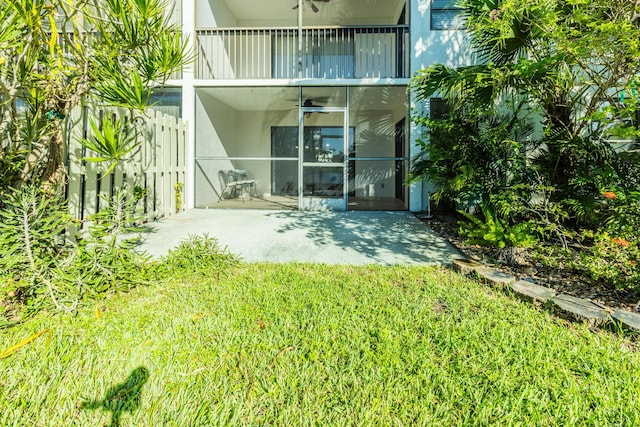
(156, 166)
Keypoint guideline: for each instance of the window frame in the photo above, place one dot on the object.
(439, 108)
(444, 9)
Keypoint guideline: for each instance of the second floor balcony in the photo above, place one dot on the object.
(345, 52)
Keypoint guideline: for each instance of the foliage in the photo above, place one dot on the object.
(10, 166)
(622, 212)
(197, 254)
(302, 344)
(473, 154)
(31, 225)
(179, 188)
(536, 205)
(542, 53)
(495, 232)
(113, 140)
(612, 260)
(35, 261)
(56, 55)
(614, 249)
(573, 67)
(105, 259)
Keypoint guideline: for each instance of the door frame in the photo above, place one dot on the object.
(307, 203)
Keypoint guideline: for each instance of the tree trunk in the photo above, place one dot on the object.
(54, 174)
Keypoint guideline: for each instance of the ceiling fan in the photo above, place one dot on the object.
(309, 103)
(313, 6)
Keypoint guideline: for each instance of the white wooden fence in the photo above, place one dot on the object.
(156, 167)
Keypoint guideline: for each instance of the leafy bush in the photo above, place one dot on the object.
(622, 213)
(105, 259)
(613, 260)
(614, 248)
(31, 225)
(11, 164)
(35, 255)
(495, 232)
(471, 155)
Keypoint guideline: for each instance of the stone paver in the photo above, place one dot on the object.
(466, 266)
(579, 309)
(495, 277)
(629, 319)
(532, 292)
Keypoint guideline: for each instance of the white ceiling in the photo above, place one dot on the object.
(334, 12)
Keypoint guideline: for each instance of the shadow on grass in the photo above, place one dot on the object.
(123, 397)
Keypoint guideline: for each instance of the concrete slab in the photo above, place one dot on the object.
(354, 238)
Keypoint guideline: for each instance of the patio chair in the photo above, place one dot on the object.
(236, 182)
(245, 183)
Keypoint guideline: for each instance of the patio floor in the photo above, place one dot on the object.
(354, 238)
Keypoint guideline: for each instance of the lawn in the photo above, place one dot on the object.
(315, 345)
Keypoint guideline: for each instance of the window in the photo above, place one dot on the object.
(167, 100)
(438, 109)
(445, 15)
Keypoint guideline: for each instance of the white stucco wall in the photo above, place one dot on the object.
(214, 13)
(449, 47)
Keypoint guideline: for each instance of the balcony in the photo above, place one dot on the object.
(353, 52)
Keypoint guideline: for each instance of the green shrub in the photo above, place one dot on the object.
(614, 248)
(34, 253)
(105, 259)
(472, 154)
(613, 260)
(31, 227)
(494, 231)
(622, 213)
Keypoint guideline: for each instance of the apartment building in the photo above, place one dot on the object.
(304, 104)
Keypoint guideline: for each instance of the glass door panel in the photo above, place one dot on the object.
(323, 159)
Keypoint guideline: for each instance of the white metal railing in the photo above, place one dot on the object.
(326, 52)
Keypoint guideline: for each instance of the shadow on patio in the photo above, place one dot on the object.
(355, 238)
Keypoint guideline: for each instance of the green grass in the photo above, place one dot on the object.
(316, 345)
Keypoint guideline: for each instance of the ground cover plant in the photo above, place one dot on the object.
(264, 344)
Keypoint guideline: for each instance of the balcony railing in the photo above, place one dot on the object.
(326, 53)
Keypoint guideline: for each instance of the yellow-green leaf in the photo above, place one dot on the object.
(8, 352)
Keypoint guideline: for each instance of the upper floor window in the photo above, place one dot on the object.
(438, 109)
(445, 15)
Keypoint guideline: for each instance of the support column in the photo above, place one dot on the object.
(188, 101)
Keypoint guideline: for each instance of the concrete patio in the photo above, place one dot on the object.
(356, 238)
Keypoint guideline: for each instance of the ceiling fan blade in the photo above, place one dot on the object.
(321, 1)
(314, 7)
(294, 7)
